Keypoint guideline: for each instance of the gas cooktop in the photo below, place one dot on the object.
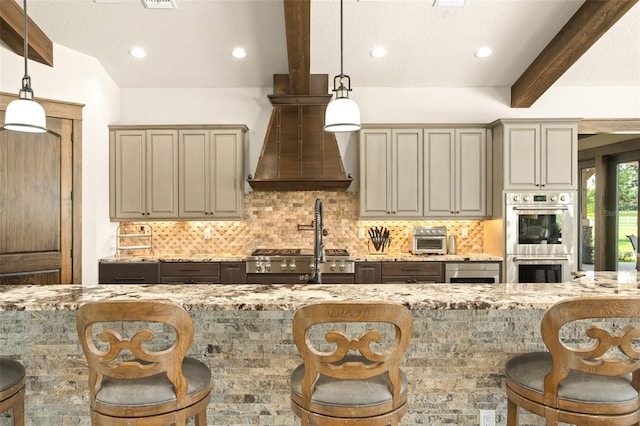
(297, 261)
(297, 252)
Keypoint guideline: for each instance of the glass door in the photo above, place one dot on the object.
(587, 223)
(627, 214)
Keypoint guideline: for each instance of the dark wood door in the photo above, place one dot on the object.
(36, 201)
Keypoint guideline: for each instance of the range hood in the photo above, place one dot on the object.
(297, 154)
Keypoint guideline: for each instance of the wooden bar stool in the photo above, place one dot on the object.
(335, 387)
(581, 380)
(139, 380)
(12, 376)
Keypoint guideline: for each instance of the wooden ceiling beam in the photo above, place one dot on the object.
(297, 17)
(12, 34)
(585, 27)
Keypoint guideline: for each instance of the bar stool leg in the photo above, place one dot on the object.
(512, 413)
(17, 414)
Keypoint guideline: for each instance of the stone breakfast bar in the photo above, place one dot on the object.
(462, 337)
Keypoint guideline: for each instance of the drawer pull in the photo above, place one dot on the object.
(128, 278)
(189, 270)
(412, 269)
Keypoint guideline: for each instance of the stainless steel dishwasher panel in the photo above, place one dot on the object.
(472, 272)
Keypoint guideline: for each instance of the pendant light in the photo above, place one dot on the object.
(343, 114)
(24, 114)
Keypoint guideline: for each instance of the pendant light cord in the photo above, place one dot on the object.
(341, 41)
(26, 43)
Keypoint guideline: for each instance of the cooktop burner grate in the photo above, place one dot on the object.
(296, 252)
(336, 252)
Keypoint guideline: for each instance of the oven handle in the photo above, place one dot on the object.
(537, 208)
(524, 259)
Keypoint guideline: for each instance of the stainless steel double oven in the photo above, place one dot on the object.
(540, 236)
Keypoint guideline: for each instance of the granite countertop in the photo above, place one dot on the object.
(386, 257)
(408, 257)
(292, 296)
(176, 258)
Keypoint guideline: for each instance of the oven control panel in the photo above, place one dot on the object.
(539, 198)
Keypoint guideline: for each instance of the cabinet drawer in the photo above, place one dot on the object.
(184, 279)
(128, 273)
(189, 269)
(411, 268)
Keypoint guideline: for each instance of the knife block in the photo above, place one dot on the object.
(385, 244)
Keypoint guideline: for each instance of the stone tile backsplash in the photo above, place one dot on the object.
(276, 219)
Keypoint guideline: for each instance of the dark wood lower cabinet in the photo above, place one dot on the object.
(129, 273)
(233, 273)
(190, 272)
(412, 272)
(170, 273)
(368, 272)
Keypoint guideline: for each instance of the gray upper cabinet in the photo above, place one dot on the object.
(455, 173)
(424, 173)
(538, 154)
(391, 185)
(144, 174)
(211, 171)
(176, 172)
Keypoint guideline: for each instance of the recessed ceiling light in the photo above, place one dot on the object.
(137, 52)
(483, 52)
(239, 53)
(449, 3)
(159, 4)
(378, 52)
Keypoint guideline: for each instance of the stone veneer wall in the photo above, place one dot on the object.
(454, 364)
(272, 218)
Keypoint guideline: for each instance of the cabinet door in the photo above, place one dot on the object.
(367, 273)
(470, 173)
(211, 171)
(559, 156)
(439, 152)
(162, 174)
(226, 158)
(144, 165)
(522, 156)
(233, 273)
(128, 193)
(406, 173)
(193, 181)
(375, 173)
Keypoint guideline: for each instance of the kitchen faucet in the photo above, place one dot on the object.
(318, 243)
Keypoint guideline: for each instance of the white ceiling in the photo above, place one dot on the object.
(428, 46)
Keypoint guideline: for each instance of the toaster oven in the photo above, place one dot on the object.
(430, 240)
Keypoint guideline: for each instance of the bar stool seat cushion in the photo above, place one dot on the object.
(153, 390)
(348, 393)
(12, 373)
(529, 370)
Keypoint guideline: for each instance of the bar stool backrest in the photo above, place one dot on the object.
(144, 360)
(596, 358)
(333, 364)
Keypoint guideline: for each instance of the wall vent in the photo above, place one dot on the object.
(159, 4)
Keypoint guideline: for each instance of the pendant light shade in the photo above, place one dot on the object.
(24, 114)
(342, 114)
